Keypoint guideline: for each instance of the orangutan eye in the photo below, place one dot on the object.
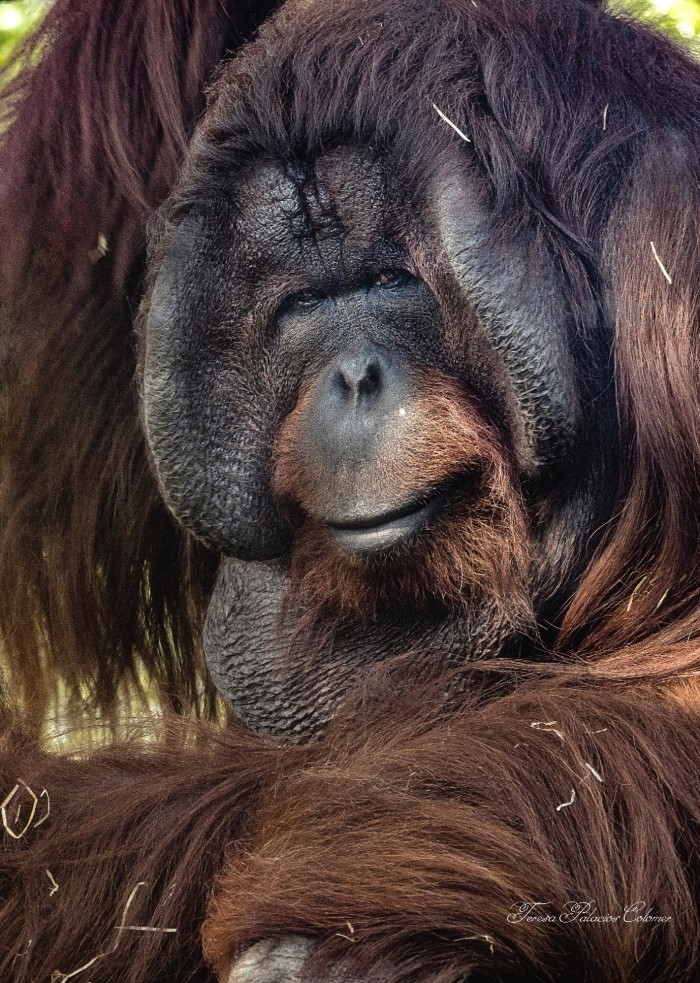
(302, 302)
(392, 278)
(307, 298)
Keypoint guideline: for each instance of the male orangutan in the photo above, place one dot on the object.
(350, 369)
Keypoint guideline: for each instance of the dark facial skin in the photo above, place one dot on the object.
(319, 290)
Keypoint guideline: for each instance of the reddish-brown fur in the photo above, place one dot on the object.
(410, 850)
(481, 547)
(417, 821)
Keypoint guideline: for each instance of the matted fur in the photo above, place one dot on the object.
(417, 823)
(408, 850)
(160, 813)
(401, 843)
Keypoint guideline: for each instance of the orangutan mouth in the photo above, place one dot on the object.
(380, 533)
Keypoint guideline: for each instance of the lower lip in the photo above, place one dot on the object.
(368, 540)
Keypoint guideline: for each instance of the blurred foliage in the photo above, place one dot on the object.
(680, 18)
(16, 18)
(684, 14)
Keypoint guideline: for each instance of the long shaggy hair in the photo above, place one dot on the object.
(403, 842)
(410, 845)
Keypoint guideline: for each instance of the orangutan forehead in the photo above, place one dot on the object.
(332, 211)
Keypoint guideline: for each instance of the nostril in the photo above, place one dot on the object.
(342, 384)
(358, 379)
(371, 382)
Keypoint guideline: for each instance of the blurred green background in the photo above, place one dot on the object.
(680, 17)
(684, 14)
(16, 18)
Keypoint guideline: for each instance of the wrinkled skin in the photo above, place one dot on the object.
(318, 271)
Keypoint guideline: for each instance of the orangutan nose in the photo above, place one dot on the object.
(353, 406)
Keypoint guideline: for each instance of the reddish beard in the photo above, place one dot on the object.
(477, 547)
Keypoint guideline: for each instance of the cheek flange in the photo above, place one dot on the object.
(210, 415)
(509, 279)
